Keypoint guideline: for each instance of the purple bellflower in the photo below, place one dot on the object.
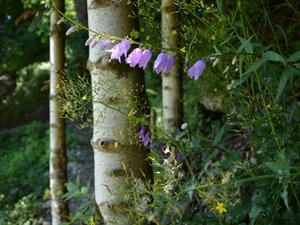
(144, 136)
(146, 139)
(160, 62)
(146, 56)
(120, 49)
(169, 64)
(94, 42)
(163, 63)
(134, 57)
(88, 41)
(179, 157)
(197, 69)
(138, 56)
(105, 44)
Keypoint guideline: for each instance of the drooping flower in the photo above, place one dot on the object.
(105, 44)
(169, 64)
(179, 157)
(88, 41)
(94, 42)
(146, 56)
(197, 69)
(134, 57)
(139, 57)
(146, 139)
(163, 63)
(144, 136)
(120, 49)
(160, 62)
(71, 30)
(142, 131)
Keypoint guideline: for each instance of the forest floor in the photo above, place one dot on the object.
(81, 163)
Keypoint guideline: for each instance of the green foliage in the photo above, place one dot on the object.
(23, 35)
(23, 212)
(240, 164)
(32, 89)
(87, 209)
(254, 63)
(24, 158)
(24, 172)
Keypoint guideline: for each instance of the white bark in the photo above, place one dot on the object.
(115, 151)
(172, 81)
(58, 158)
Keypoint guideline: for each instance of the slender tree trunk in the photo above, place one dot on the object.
(81, 14)
(172, 81)
(81, 11)
(58, 157)
(115, 86)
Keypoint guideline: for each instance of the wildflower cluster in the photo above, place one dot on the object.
(163, 63)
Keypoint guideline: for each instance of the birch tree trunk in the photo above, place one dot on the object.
(58, 157)
(172, 81)
(115, 86)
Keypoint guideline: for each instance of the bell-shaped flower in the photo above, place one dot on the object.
(94, 42)
(179, 157)
(134, 57)
(105, 44)
(169, 64)
(163, 63)
(144, 136)
(197, 69)
(88, 41)
(120, 49)
(160, 62)
(146, 56)
(146, 139)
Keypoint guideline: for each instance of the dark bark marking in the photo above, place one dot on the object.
(116, 173)
(106, 145)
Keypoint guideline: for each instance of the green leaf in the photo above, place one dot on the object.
(281, 166)
(267, 56)
(273, 56)
(245, 44)
(285, 198)
(294, 57)
(226, 40)
(286, 74)
(84, 190)
(219, 136)
(217, 50)
(248, 72)
(134, 34)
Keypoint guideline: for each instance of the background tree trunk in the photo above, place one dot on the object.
(81, 11)
(58, 157)
(172, 81)
(115, 86)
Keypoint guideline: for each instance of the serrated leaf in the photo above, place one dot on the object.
(280, 166)
(294, 57)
